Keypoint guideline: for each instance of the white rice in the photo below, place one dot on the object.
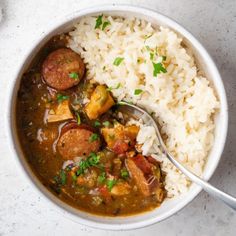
(181, 100)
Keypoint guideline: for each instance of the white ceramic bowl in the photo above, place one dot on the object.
(170, 207)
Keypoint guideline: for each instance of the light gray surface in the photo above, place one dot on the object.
(22, 211)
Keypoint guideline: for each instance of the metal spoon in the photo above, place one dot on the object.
(138, 112)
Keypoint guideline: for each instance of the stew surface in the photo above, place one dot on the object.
(78, 143)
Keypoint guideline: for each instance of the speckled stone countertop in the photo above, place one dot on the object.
(23, 211)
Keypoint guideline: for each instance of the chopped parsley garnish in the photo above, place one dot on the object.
(110, 183)
(106, 123)
(158, 68)
(105, 24)
(111, 88)
(61, 97)
(163, 58)
(61, 178)
(92, 160)
(98, 22)
(118, 61)
(124, 173)
(78, 118)
(147, 47)
(93, 137)
(97, 123)
(151, 56)
(101, 177)
(138, 91)
(74, 75)
(147, 37)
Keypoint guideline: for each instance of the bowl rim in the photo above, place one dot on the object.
(9, 117)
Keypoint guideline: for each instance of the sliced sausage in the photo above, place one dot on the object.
(76, 142)
(63, 69)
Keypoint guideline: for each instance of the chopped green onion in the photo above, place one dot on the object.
(63, 177)
(147, 37)
(61, 97)
(93, 137)
(105, 24)
(97, 123)
(137, 91)
(124, 173)
(151, 56)
(158, 68)
(106, 123)
(111, 88)
(147, 47)
(74, 75)
(92, 160)
(78, 118)
(101, 178)
(110, 183)
(118, 61)
(98, 22)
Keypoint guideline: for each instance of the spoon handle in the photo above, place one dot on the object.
(226, 198)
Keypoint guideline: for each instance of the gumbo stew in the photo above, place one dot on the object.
(77, 142)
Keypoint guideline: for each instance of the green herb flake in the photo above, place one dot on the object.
(110, 183)
(138, 91)
(98, 22)
(163, 58)
(105, 24)
(78, 118)
(147, 36)
(118, 61)
(106, 123)
(62, 177)
(93, 137)
(158, 68)
(97, 123)
(148, 48)
(101, 177)
(151, 56)
(61, 97)
(124, 173)
(74, 75)
(117, 87)
(92, 160)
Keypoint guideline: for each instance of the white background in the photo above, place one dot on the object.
(22, 210)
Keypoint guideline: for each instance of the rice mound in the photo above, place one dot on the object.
(181, 100)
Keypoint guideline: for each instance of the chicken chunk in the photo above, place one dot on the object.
(60, 113)
(100, 102)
